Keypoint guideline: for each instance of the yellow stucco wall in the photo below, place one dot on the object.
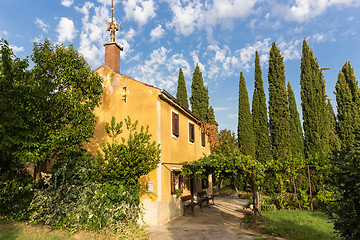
(144, 104)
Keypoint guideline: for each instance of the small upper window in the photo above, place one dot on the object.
(175, 124)
(191, 132)
(203, 138)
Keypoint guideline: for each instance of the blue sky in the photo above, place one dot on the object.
(160, 36)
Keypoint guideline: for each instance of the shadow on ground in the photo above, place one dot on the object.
(220, 221)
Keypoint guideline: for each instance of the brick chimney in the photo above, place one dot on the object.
(112, 56)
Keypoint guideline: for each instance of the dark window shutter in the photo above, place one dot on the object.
(203, 138)
(173, 190)
(181, 183)
(191, 132)
(175, 124)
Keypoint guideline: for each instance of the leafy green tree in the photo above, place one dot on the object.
(60, 97)
(211, 117)
(181, 93)
(15, 98)
(228, 143)
(246, 136)
(314, 107)
(348, 105)
(297, 138)
(259, 113)
(279, 125)
(126, 161)
(199, 95)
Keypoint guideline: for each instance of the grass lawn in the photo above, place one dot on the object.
(298, 225)
(11, 230)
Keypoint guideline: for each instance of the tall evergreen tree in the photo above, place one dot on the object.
(211, 116)
(181, 93)
(297, 138)
(314, 106)
(279, 125)
(246, 136)
(199, 95)
(348, 103)
(334, 140)
(259, 113)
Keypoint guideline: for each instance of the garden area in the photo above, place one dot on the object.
(299, 187)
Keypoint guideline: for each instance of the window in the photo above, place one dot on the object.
(175, 124)
(176, 181)
(191, 132)
(204, 183)
(203, 138)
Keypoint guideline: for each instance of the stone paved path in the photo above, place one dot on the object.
(221, 221)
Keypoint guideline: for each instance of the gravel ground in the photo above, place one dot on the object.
(224, 220)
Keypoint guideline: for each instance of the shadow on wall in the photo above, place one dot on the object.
(145, 190)
(98, 139)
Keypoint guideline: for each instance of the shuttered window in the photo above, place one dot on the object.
(175, 124)
(191, 132)
(203, 138)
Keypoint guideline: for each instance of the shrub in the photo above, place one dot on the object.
(345, 207)
(69, 197)
(15, 193)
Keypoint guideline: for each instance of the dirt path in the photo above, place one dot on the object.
(221, 221)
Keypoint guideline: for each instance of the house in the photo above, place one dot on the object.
(181, 135)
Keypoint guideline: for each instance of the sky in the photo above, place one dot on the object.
(160, 36)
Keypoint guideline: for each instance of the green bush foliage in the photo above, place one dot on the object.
(126, 161)
(345, 181)
(15, 192)
(69, 197)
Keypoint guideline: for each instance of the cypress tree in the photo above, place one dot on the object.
(347, 98)
(211, 117)
(314, 106)
(297, 138)
(334, 140)
(279, 126)
(245, 126)
(181, 93)
(199, 95)
(259, 113)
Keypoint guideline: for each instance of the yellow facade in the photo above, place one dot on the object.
(153, 107)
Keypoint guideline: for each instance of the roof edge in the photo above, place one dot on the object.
(172, 100)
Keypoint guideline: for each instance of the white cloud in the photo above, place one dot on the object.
(191, 15)
(41, 24)
(304, 10)
(66, 30)
(217, 109)
(157, 33)
(319, 37)
(223, 63)
(139, 10)
(290, 49)
(94, 35)
(4, 33)
(67, 3)
(38, 39)
(185, 16)
(16, 49)
(161, 69)
(247, 54)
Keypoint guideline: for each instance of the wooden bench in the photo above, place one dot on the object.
(204, 198)
(188, 203)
